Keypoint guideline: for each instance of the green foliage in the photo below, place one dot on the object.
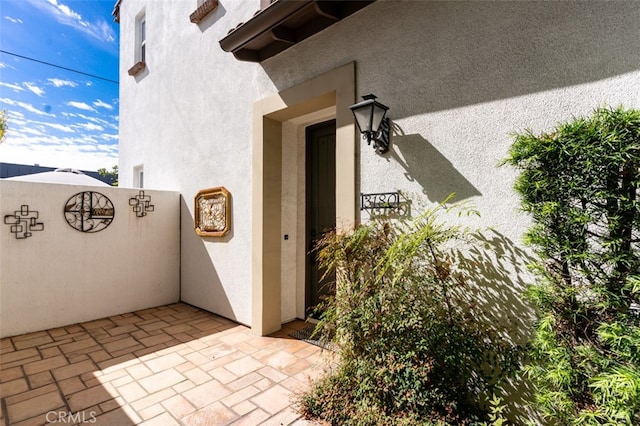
(580, 184)
(3, 125)
(113, 174)
(496, 417)
(409, 347)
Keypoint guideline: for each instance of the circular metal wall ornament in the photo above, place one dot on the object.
(89, 211)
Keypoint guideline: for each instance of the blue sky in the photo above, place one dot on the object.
(58, 118)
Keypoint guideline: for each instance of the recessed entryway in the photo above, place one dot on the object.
(333, 89)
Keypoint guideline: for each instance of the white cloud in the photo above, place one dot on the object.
(107, 137)
(12, 86)
(32, 131)
(60, 83)
(102, 104)
(99, 29)
(66, 10)
(35, 89)
(15, 118)
(81, 105)
(104, 31)
(91, 118)
(4, 65)
(60, 127)
(40, 150)
(15, 114)
(13, 20)
(26, 106)
(90, 126)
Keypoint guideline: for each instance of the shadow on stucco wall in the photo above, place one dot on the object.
(432, 56)
(496, 278)
(424, 164)
(200, 283)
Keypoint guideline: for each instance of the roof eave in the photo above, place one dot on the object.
(278, 27)
(116, 11)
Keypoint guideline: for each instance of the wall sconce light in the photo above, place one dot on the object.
(373, 123)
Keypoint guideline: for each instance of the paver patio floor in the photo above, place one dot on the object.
(170, 365)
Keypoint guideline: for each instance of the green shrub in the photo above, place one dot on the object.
(580, 184)
(409, 347)
(3, 125)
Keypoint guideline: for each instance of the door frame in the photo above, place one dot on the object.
(333, 88)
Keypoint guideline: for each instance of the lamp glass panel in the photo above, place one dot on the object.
(378, 116)
(363, 117)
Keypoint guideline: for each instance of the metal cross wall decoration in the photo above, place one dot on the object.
(23, 222)
(141, 204)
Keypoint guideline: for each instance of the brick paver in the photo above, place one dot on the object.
(170, 365)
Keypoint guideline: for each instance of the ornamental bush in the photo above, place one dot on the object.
(410, 349)
(580, 185)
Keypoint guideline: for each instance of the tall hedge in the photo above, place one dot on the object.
(580, 185)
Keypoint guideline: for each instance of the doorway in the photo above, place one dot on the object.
(320, 143)
(271, 116)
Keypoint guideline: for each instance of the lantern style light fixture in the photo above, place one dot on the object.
(373, 123)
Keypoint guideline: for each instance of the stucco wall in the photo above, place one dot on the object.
(187, 120)
(459, 78)
(61, 276)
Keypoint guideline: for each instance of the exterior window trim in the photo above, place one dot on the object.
(140, 46)
(143, 38)
(138, 176)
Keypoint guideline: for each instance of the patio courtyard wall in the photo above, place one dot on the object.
(60, 276)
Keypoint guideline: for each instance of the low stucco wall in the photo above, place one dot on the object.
(60, 276)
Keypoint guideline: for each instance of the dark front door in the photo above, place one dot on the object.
(321, 204)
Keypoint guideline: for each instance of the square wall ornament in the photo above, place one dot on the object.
(213, 212)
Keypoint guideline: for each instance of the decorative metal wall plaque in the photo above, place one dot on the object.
(23, 222)
(141, 204)
(213, 212)
(380, 200)
(89, 211)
